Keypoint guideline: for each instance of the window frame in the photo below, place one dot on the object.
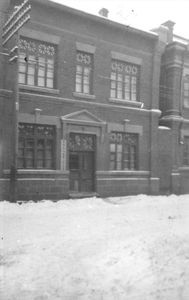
(32, 134)
(186, 91)
(120, 145)
(30, 53)
(185, 159)
(84, 65)
(119, 74)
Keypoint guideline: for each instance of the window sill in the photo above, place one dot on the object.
(36, 171)
(126, 173)
(126, 102)
(38, 89)
(85, 96)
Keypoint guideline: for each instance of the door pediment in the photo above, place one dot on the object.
(83, 116)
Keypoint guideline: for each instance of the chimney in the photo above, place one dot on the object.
(103, 12)
(170, 25)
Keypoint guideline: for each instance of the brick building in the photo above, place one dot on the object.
(90, 116)
(174, 105)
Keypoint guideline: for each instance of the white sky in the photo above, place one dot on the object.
(143, 14)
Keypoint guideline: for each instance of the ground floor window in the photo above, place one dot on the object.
(186, 151)
(36, 148)
(123, 151)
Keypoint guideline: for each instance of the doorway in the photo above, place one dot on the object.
(82, 162)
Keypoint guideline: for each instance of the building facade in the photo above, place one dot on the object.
(174, 105)
(92, 118)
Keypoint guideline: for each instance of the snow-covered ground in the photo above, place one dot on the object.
(134, 247)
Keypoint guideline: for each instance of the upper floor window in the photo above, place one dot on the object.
(83, 81)
(123, 151)
(36, 149)
(124, 80)
(36, 63)
(186, 151)
(186, 91)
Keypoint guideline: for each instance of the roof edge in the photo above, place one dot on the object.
(55, 5)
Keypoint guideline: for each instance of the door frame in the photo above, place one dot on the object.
(83, 151)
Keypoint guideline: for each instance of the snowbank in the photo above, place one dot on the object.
(134, 247)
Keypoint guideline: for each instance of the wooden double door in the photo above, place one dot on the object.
(82, 163)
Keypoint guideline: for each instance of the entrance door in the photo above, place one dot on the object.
(82, 162)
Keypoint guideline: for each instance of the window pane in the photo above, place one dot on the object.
(186, 94)
(119, 77)
(22, 67)
(50, 63)
(112, 165)
(41, 81)
(40, 154)
(113, 76)
(119, 156)
(127, 87)
(86, 71)
(48, 154)
(79, 69)
(78, 79)
(126, 164)
(119, 94)
(113, 94)
(22, 57)
(41, 72)
(30, 143)
(119, 167)
(119, 148)
(86, 89)
(20, 163)
(86, 80)
(74, 161)
(29, 153)
(40, 164)
(112, 147)
(78, 88)
(119, 86)
(50, 83)
(21, 78)
(49, 164)
(31, 70)
(133, 87)
(29, 164)
(30, 80)
(50, 74)
(186, 151)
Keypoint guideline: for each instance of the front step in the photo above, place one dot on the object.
(79, 195)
